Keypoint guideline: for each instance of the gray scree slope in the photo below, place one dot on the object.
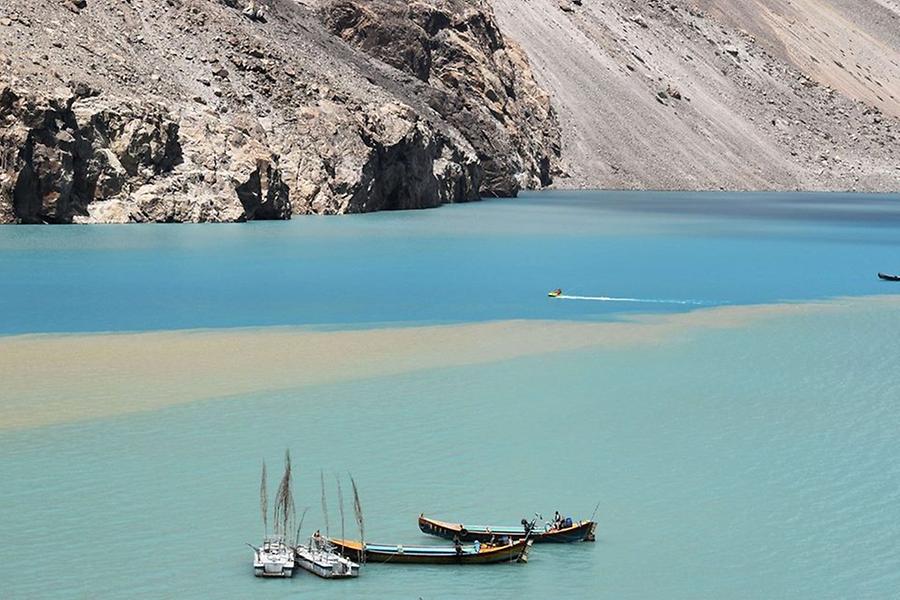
(719, 94)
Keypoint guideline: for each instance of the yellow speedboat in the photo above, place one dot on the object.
(555, 293)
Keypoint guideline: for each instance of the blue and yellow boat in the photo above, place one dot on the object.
(569, 531)
(476, 553)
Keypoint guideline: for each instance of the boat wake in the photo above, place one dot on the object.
(637, 300)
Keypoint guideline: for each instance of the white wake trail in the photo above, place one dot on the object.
(636, 300)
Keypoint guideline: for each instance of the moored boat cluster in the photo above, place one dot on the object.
(341, 558)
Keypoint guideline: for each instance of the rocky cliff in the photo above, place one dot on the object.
(476, 79)
(227, 110)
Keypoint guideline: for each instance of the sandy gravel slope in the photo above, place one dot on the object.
(673, 95)
(851, 45)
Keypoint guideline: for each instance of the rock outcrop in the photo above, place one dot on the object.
(474, 77)
(77, 156)
(364, 158)
(216, 110)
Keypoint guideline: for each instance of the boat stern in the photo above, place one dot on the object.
(591, 533)
(273, 569)
(526, 548)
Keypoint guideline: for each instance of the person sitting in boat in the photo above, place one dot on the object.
(493, 539)
(561, 522)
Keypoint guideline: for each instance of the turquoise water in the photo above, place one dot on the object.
(491, 260)
(757, 462)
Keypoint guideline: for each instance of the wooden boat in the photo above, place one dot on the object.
(578, 531)
(555, 293)
(469, 554)
(888, 277)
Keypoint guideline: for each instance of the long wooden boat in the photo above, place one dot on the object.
(469, 554)
(888, 277)
(579, 531)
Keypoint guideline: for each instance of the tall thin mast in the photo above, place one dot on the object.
(340, 503)
(324, 504)
(357, 509)
(264, 500)
(284, 499)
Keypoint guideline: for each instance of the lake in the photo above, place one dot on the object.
(719, 383)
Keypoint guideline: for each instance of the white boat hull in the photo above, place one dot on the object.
(328, 565)
(273, 559)
(275, 571)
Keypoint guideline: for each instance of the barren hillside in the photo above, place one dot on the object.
(714, 94)
(220, 110)
(851, 45)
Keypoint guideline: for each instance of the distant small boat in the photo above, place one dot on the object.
(888, 277)
(555, 293)
(569, 531)
(320, 559)
(469, 554)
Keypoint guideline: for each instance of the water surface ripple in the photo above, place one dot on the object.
(746, 451)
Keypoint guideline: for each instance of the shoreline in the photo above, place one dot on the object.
(556, 187)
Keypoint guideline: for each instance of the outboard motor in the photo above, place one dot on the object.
(527, 526)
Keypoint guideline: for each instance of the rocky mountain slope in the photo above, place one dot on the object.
(223, 110)
(710, 94)
(472, 72)
(228, 110)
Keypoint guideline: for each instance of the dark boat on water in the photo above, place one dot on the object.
(469, 554)
(888, 277)
(577, 531)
